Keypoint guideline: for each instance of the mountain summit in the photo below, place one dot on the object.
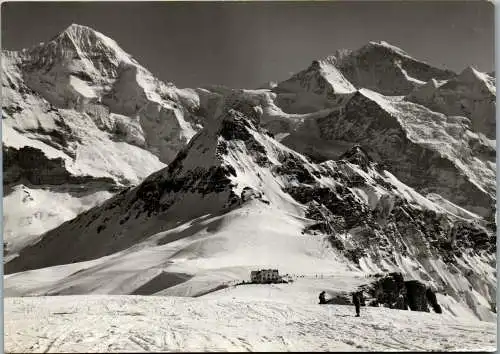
(387, 69)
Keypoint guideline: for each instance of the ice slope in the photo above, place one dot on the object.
(236, 199)
(471, 94)
(85, 150)
(152, 324)
(429, 151)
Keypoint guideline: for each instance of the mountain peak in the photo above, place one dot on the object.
(387, 46)
(322, 77)
(378, 65)
(78, 50)
(344, 56)
(89, 40)
(79, 42)
(75, 27)
(470, 74)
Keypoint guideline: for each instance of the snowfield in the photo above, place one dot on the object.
(156, 323)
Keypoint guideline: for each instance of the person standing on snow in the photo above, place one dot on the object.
(322, 299)
(356, 299)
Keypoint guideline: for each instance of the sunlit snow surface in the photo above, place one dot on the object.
(156, 323)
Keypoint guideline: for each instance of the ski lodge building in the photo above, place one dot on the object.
(264, 276)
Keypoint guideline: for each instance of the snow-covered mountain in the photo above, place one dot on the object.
(118, 183)
(377, 66)
(385, 68)
(81, 114)
(429, 151)
(235, 199)
(83, 70)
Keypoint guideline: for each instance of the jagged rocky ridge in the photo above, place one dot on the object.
(368, 215)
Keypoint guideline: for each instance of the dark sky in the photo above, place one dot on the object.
(244, 44)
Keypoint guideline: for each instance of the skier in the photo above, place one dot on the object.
(322, 299)
(356, 299)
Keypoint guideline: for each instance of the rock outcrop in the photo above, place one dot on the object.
(393, 291)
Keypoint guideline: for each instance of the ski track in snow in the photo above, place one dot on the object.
(156, 323)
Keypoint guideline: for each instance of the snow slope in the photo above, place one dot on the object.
(151, 324)
(211, 249)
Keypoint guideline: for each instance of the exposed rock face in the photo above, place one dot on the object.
(432, 301)
(31, 165)
(358, 156)
(416, 294)
(393, 291)
(389, 291)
